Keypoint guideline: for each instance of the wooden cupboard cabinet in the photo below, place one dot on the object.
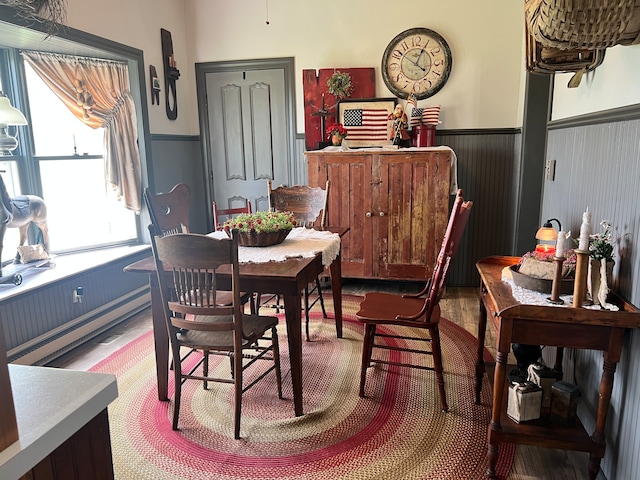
(395, 203)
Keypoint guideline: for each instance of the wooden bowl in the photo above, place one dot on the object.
(539, 284)
(253, 239)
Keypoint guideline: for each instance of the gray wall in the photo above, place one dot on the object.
(598, 166)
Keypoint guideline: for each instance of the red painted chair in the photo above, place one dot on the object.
(420, 311)
(227, 213)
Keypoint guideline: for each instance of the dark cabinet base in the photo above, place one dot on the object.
(84, 456)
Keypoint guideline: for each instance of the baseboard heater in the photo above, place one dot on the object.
(43, 349)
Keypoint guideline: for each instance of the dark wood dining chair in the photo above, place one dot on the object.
(195, 318)
(420, 311)
(169, 213)
(309, 207)
(222, 214)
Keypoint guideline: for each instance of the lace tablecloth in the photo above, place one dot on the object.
(531, 297)
(301, 242)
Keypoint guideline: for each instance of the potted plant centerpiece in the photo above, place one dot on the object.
(336, 133)
(260, 229)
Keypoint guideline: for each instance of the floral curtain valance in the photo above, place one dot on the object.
(97, 92)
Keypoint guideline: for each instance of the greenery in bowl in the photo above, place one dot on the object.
(260, 222)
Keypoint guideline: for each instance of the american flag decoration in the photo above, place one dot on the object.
(416, 117)
(366, 124)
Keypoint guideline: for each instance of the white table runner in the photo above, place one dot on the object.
(301, 242)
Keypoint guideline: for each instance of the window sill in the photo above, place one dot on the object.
(64, 266)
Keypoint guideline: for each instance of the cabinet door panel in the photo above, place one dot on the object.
(349, 200)
(414, 199)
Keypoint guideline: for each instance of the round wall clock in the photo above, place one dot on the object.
(417, 61)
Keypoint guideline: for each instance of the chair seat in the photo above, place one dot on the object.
(383, 308)
(226, 298)
(254, 327)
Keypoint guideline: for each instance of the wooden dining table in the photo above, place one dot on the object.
(287, 278)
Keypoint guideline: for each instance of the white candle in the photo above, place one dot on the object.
(585, 231)
(562, 237)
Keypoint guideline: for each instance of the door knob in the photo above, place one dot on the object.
(368, 214)
(381, 214)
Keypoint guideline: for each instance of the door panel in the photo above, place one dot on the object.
(414, 197)
(349, 202)
(248, 134)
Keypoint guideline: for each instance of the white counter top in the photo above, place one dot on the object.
(51, 405)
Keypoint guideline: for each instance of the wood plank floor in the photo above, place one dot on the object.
(460, 305)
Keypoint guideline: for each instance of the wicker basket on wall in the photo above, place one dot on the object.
(583, 24)
(543, 59)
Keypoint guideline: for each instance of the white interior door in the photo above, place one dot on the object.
(247, 134)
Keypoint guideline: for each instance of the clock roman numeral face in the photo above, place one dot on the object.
(417, 62)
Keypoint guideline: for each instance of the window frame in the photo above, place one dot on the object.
(74, 42)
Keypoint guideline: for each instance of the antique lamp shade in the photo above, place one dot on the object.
(8, 116)
(547, 233)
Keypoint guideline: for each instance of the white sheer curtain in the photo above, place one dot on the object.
(97, 92)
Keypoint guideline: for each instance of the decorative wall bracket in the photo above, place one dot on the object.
(155, 85)
(171, 74)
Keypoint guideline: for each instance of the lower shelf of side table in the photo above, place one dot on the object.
(541, 432)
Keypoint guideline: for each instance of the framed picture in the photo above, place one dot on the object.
(367, 121)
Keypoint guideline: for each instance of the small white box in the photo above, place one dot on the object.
(524, 401)
(544, 377)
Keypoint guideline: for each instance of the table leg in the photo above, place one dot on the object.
(496, 410)
(160, 338)
(480, 368)
(611, 358)
(336, 290)
(294, 325)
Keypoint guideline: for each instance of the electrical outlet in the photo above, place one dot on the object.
(77, 295)
(550, 170)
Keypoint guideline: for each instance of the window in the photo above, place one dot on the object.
(67, 158)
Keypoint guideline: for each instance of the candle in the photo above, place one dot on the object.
(585, 231)
(562, 237)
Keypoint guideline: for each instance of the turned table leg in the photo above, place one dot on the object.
(480, 368)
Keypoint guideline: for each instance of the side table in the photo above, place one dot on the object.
(561, 326)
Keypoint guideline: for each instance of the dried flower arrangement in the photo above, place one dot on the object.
(600, 246)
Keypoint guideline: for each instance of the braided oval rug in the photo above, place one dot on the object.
(397, 432)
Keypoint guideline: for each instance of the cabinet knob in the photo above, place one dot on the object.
(381, 214)
(368, 214)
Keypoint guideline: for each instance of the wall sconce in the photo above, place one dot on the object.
(547, 233)
(8, 116)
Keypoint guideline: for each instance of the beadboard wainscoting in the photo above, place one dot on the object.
(598, 166)
(40, 318)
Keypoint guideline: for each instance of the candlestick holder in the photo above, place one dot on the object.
(580, 284)
(557, 281)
